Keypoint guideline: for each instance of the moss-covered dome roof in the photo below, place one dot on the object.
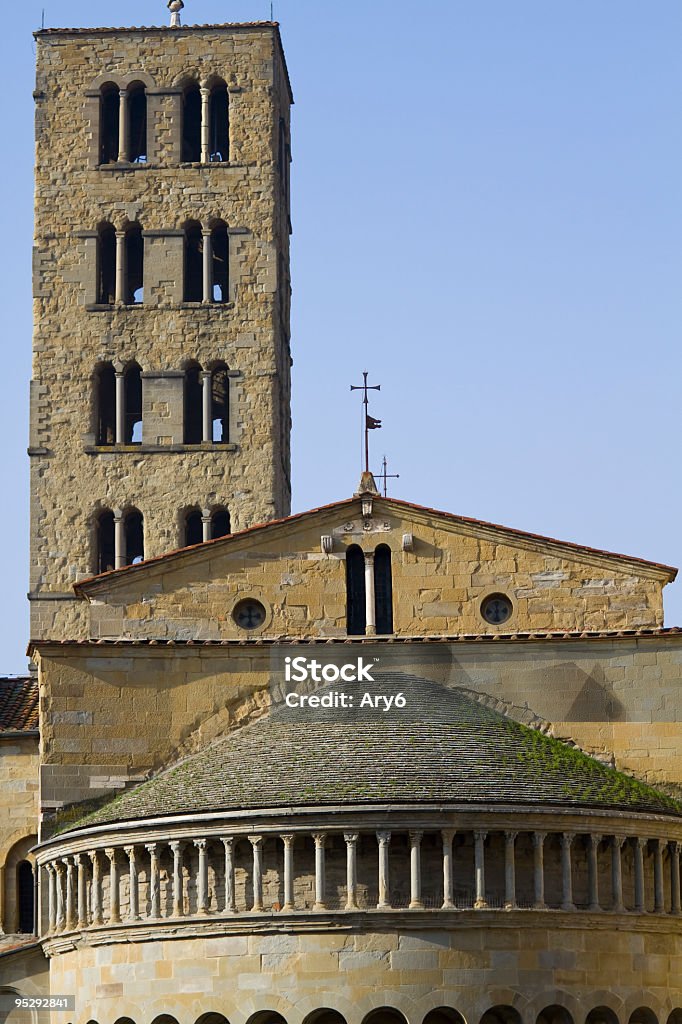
(443, 746)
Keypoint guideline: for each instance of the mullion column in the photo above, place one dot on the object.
(60, 918)
(479, 870)
(70, 895)
(416, 870)
(448, 836)
(154, 880)
(658, 877)
(133, 889)
(567, 871)
(320, 871)
(205, 126)
(207, 286)
(96, 889)
(114, 895)
(178, 896)
(122, 126)
(206, 407)
(674, 848)
(539, 870)
(51, 899)
(230, 905)
(351, 840)
(640, 892)
(257, 847)
(202, 878)
(370, 607)
(617, 874)
(288, 841)
(121, 267)
(384, 902)
(593, 870)
(82, 903)
(510, 870)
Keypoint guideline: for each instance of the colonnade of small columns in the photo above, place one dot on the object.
(76, 900)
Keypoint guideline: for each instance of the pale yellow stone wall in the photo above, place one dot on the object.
(19, 811)
(514, 959)
(437, 588)
(71, 479)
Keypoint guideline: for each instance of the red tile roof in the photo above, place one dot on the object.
(406, 505)
(108, 29)
(18, 704)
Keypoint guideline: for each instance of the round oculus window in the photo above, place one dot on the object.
(496, 609)
(249, 613)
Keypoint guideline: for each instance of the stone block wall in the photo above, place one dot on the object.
(19, 813)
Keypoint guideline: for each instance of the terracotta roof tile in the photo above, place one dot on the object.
(108, 29)
(18, 704)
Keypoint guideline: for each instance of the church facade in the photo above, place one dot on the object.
(373, 763)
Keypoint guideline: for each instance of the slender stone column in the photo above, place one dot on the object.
(120, 407)
(567, 871)
(370, 615)
(416, 870)
(51, 899)
(82, 891)
(96, 890)
(510, 870)
(228, 843)
(119, 540)
(154, 880)
(539, 870)
(593, 871)
(114, 895)
(320, 872)
(60, 916)
(206, 407)
(70, 895)
(133, 888)
(351, 839)
(205, 113)
(479, 869)
(207, 267)
(447, 836)
(384, 840)
(205, 525)
(120, 266)
(202, 880)
(288, 841)
(640, 896)
(658, 877)
(122, 126)
(178, 897)
(617, 874)
(675, 878)
(257, 844)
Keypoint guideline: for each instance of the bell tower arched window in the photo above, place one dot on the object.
(219, 123)
(383, 589)
(109, 113)
(220, 263)
(194, 269)
(134, 264)
(193, 405)
(191, 123)
(26, 895)
(105, 404)
(106, 264)
(133, 531)
(355, 591)
(220, 410)
(132, 391)
(194, 527)
(105, 538)
(137, 123)
(220, 523)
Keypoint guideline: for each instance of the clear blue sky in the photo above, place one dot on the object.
(487, 216)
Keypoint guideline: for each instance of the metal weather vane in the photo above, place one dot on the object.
(384, 476)
(370, 422)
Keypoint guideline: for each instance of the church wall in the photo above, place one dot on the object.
(19, 811)
(470, 968)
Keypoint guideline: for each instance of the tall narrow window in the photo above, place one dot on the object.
(194, 267)
(132, 390)
(355, 591)
(220, 248)
(106, 542)
(106, 264)
(137, 123)
(25, 893)
(383, 589)
(133, 527)
(194, 529)
(219, 130)
(109, 114)
(220, 523)
(220, 404)
(191, 123)
(193, 405)
(105, 399)
(134, 264)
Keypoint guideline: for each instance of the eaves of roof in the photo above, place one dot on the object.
(666, 572)
(18, 706)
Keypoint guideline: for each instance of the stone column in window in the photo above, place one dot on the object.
(593, 871)
(154, 880)
(120, 266)
(539, 869)
(228, 843)
(288, 841)
(567, 871)
(82, 890)
(205, 524)
(133, 890)
(59, 883)
(207, 266)
(70, 895)
(384, 840)
(416, 870)
(351, 839)
(479, 869)
(205, 125)
(640, 896)
(370, 606)
(114, 895)
(123, 126)
(119, 539)
(202, 880)
(510, 870)
(257, 845)
(448, 835)
(96, 889)
(658, 877)
(51, 899)
(675, 878)
(617, 874)
(320, 873)
(206, 407)
(178, 895)
(120, 408)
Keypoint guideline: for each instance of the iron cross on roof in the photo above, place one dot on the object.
(384, 476)
(370, 422)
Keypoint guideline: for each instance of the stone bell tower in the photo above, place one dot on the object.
(160, 398)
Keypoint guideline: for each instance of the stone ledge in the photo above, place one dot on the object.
(159, 449)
